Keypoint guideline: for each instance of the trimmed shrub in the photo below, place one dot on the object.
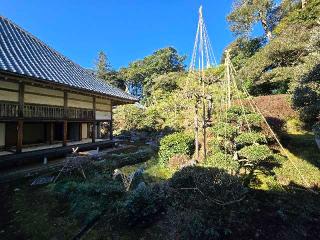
(213, 183)
(255, 153)
(89, 199)
(223, 161)
(124, 159)
(142, 206)
(238, 110)
(224, 130)
(253, 119)
(175, 144)
(178, 160)
(316, 129)
(248, 138)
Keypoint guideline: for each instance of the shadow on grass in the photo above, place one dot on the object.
(303, 146)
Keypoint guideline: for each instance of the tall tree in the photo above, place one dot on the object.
(104, 71)
(103, 65)
(246, 13)
(144, 71)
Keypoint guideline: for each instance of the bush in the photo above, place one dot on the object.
(175, 144)
(124, 159)
(128, 117)
(238, 110)
(249, 138)
(255, 153)
(89, 199)
(224, 130)
(213, 183)
(142, 206)
(316, 129)
(253, 119)
(223, 161)
(178, 160)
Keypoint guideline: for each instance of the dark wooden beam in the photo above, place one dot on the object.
(65, 122)
(20, 120)
(51, 133)
(19, 136)
(80, 131)
(21, 99)
(111, 124)
(94, 123)
(65, 133)
(65, 104)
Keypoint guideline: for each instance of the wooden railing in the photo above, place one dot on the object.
(37, 111)
(43, 111)
(78, 113)
(9, 110)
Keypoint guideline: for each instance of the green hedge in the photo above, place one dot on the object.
(248, 138)
(222, 161)
(253, 119)
(224, 130)
(255, 153)
(176, 143)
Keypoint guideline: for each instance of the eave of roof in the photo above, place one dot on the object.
(24, 55)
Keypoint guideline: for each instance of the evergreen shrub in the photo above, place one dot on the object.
(223, 161)
(253, 119)
(213, 183)
(248, 138)
(255, 153)
(224, 130)
(316, 129)
(142, 206)
(175, 144)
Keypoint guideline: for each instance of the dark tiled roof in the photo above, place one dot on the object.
(22, 53)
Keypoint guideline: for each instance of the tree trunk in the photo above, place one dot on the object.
(204, 127)
(266, 29)
(196, 129)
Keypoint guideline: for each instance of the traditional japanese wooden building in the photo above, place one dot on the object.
(48, 102)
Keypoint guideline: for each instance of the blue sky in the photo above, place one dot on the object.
(126, 30)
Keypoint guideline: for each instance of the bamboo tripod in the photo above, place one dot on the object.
(202, 59)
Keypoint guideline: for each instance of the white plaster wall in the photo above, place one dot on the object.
(52, 92)
(103, 101)
(80, 97)
(103, 107)
(9, 96)
(79, 104)
(2, 134)
(9, 85)
(38, 99)
(103, 115)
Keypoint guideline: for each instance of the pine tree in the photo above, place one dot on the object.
(103, 66)
(246, 13)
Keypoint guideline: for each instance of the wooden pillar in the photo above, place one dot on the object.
(51, 133)
(20, 136)
(65, 121)
(111, 127)
(65, 132)
(20, 120)
(21, 100)
(80, 131)
(94, 123)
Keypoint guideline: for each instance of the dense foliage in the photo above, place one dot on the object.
(162, 61)
(175, 144)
